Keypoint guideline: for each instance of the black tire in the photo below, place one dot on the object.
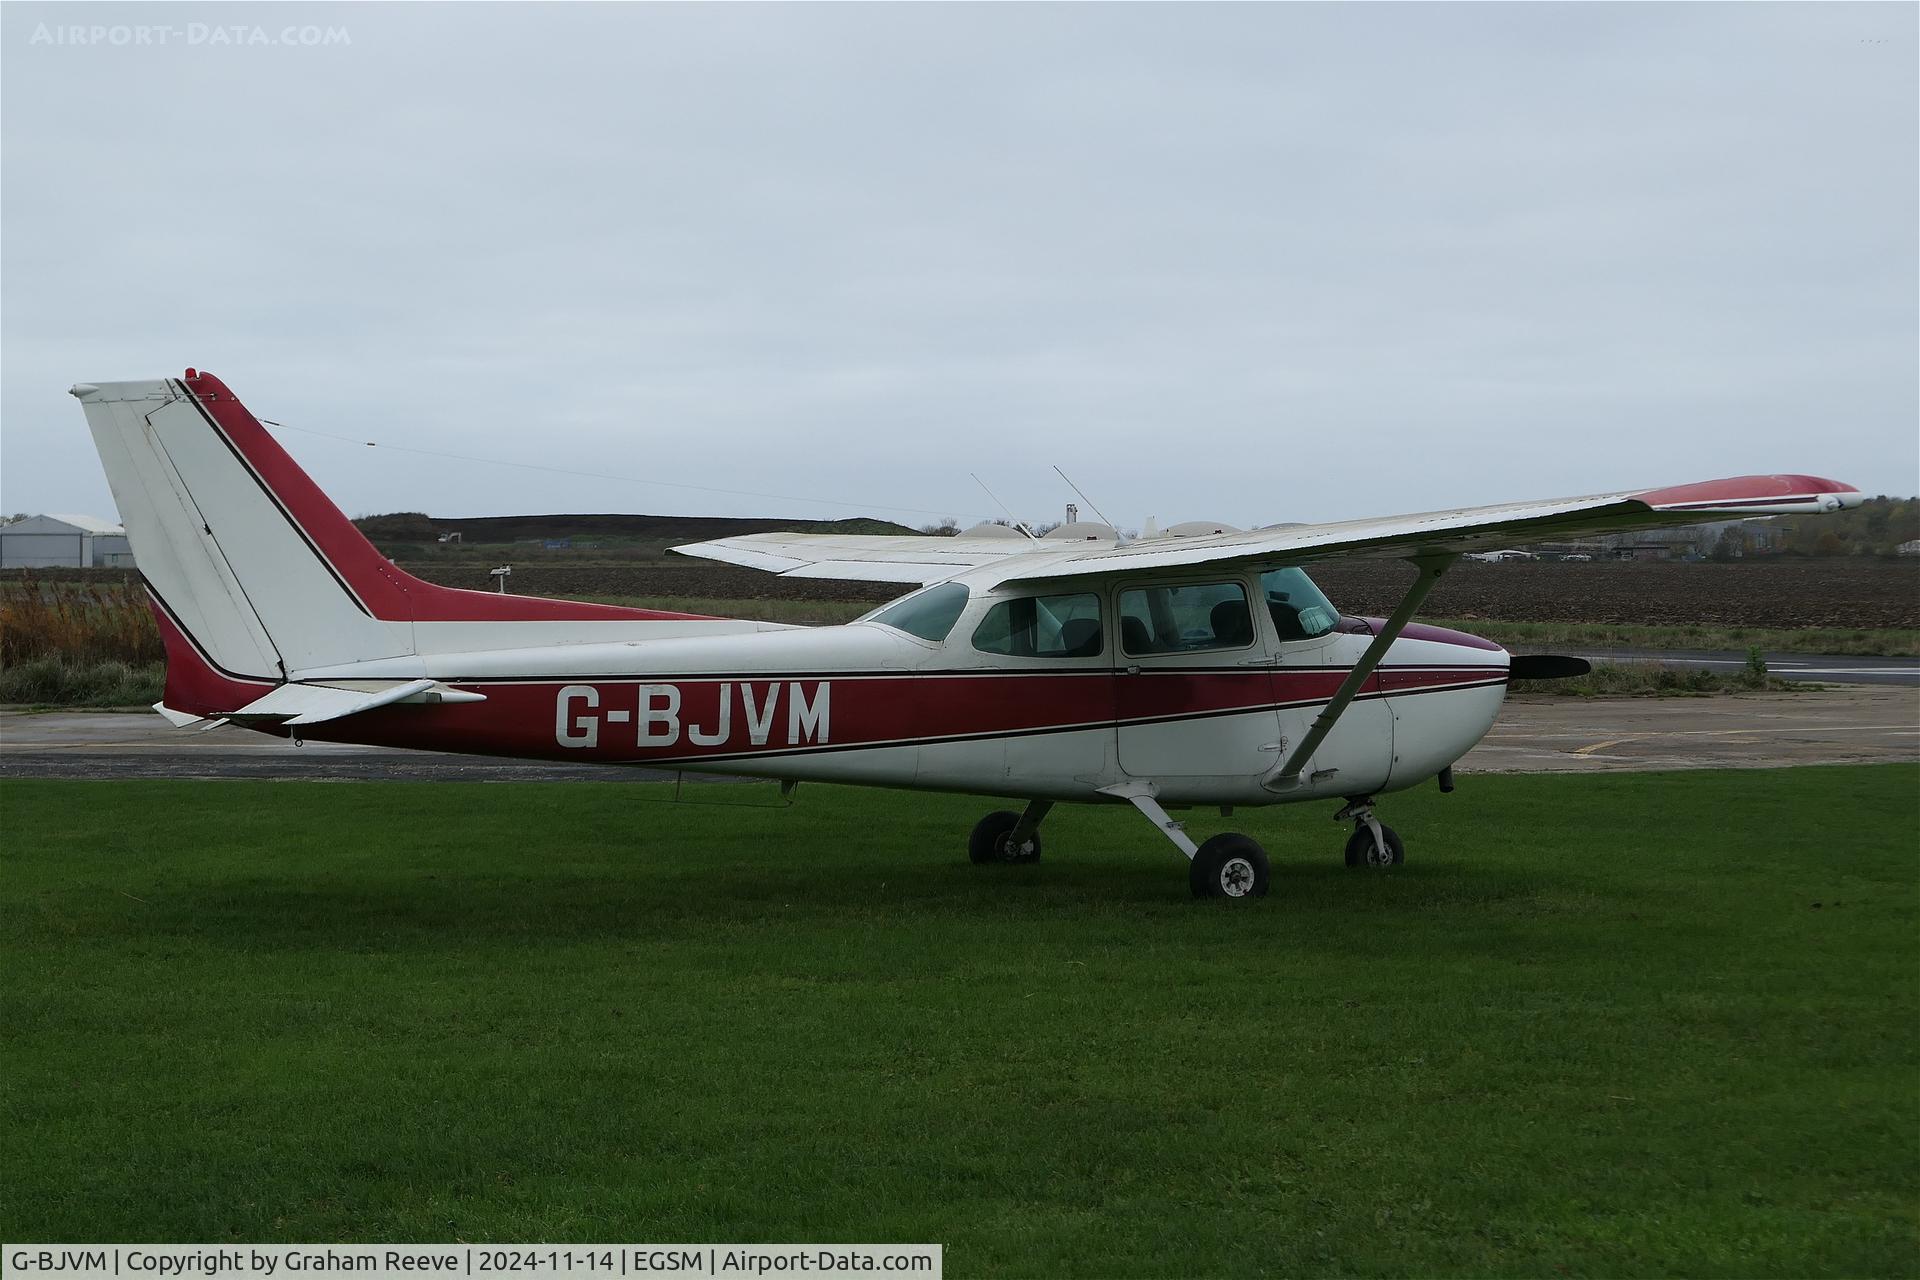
(989, 841)
(1229, 866)
(1361, 851)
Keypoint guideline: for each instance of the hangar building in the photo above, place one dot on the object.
(64, 542)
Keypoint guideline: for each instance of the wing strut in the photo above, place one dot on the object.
(1431, 567)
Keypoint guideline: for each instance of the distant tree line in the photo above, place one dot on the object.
(1874, 528)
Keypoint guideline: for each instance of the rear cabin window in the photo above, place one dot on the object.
(1065, 626)
(1298, 609)
(928, 614)
(1191, 617)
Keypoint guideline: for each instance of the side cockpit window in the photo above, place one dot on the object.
(1185, 618)
(928, 614)
(1298, 609)
(1065, 626)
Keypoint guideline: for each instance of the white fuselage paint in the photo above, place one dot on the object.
(684, 702)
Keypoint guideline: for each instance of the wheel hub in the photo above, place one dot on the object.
(1236, 877)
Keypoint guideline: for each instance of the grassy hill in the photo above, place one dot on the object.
(405, 534)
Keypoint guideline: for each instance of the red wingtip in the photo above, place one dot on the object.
(1743, 491)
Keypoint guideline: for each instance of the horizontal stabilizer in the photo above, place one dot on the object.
(297, 704)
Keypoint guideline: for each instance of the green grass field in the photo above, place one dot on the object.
(1617, 1025)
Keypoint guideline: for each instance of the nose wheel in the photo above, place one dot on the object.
(1365, 849)
(1373, 843)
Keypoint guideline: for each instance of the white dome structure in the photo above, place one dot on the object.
(1081, 531)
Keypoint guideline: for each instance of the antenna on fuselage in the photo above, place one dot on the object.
(1017, 522)
(1118, 537)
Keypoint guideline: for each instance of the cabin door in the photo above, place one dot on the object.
(1193, 682)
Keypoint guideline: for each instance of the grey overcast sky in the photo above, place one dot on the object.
(1248, 262)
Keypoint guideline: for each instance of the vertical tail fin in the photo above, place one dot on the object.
(227, 531)
(259, 572)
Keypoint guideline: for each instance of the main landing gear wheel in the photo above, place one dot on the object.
(992, 840)
(1364, 851)
(1229, 866)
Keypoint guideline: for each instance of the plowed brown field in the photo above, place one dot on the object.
(1836, 592)
(1781, 593)
(1784, 593)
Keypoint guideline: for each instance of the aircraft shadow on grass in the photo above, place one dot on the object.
(1330, 908)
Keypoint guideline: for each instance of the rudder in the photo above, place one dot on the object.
(219, 548)
(260, 573)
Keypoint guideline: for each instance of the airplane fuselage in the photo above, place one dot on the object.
(865, 703)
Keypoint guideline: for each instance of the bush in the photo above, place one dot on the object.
(1656, 680)
(78, 644)
(52, 680)
(82, 622)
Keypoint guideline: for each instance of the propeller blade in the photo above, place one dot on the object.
(1548, 666)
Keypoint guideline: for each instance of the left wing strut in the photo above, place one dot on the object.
(1431, 567)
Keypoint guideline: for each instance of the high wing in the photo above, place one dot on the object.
(1446, 533)
(1429, 534)
(872, 558)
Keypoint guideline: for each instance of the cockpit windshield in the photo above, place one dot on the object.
(928, 614)
(1299, 610)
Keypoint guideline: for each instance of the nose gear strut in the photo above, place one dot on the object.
(1373, 843)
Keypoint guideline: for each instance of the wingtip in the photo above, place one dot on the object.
(1756, 495)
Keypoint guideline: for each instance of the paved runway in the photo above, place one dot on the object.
(1535, 734)
(1861, 724)
(1818, 668)
(82, 744)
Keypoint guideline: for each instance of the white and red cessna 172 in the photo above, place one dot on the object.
(1172, 671)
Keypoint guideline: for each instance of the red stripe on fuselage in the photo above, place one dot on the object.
(194, 684)
(1398, 680)
(635, 721)
(378, 586)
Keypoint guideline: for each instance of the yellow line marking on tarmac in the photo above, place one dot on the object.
(1785, 733)
(1601, 746)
